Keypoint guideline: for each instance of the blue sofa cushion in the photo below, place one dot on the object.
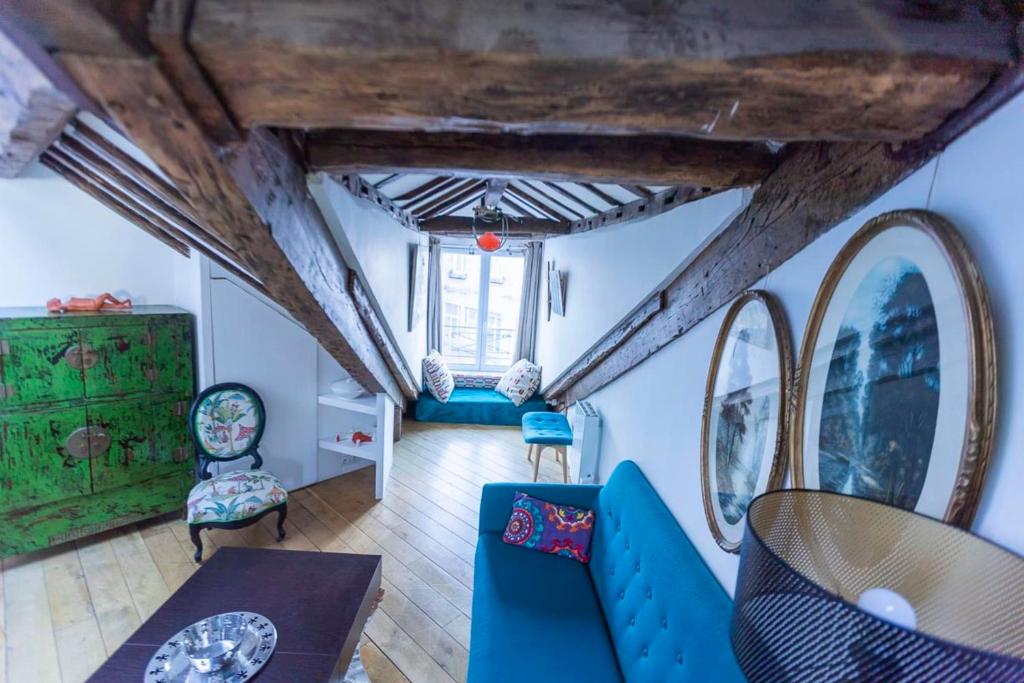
(535, 618)
(546, 428)
(667, 614)
(475, 406)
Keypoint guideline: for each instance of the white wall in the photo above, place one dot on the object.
(653, 413)
(611, 269)
(57, 241)
(378, 248)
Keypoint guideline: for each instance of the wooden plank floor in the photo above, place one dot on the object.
(65, 609)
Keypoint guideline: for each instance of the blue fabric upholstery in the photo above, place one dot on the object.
(475, 406)
(546, 428)
(536, 618)
(668, 616)
(662, 614)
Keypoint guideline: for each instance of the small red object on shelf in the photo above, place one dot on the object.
(359, 438)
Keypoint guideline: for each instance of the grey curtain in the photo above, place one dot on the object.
(434, 297)
(526, 342)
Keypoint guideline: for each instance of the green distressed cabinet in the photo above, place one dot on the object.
(93, 421)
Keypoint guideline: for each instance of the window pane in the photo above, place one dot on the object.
(504, 291)
(460, 295)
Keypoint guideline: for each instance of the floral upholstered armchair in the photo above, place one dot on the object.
(226, 423)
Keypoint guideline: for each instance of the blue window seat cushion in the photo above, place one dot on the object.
(476, 406)
(536, 617)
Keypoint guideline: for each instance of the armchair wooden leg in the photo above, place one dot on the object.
(529, 452)
(565, 463)
(281, 514)
(193, 532)
(536, 461)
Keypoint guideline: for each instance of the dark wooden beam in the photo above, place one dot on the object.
(252, 193)
(460, 225)
(533, 202)
(112, 192)
(534, 186)
(112, 198)
(522, 210)
(440, 192)
(606, 345)
(378, 330)
(420, 190)
(569, 195)
(461, 189)
(815, 187)
(387, 180)
(654, 160)
(359, 187)
(33, 109)
(495, 189)
(601, 194)
(649, 206)
(746, 69)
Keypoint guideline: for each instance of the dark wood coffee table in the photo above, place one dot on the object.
(319, 603)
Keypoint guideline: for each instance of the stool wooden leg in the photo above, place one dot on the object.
(529, 452)
(557, 456)
(565, 463)
(536, 461)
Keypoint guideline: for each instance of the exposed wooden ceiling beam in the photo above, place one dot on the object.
(815, 187)
(535, 187)
(601, 194)
(471, 199)
(569, 195)
(647, 207)
(533, 202)
(747, 69)
(33, 109)
(444, 205)
(529, 212)
(454, 189)
(495, 189)
(426, 198)
(359, 187)
(647, 160)
(461, 225)
(252, 193)
(387, 180)
(420, 190)
(111, 197)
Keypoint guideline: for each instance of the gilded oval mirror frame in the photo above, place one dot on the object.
(722, 529)
(952, 289)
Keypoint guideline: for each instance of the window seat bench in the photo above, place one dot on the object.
(482, 406)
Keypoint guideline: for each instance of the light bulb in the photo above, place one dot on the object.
(888, 605)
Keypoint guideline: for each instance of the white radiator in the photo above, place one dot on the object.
(586, 442)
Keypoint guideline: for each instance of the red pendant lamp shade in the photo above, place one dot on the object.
(489, 241)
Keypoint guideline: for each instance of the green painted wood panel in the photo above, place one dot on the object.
(35, 366)
(172, 355)
(146, 442)
(122, 360)
(133, 396)
(73, 518)
(35, 464)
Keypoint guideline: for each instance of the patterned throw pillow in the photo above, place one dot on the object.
(550, 528)
(438, 377)
(520, 382)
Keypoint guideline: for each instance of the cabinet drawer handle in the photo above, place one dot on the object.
(86, 442)
(81, 356)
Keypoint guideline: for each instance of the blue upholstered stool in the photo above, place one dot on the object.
(547, 430)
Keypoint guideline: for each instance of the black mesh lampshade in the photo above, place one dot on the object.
(807, 559)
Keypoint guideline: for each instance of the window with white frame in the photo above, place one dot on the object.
(481, 295)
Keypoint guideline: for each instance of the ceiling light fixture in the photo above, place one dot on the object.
(490, 215)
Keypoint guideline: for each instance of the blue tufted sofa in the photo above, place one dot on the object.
(646, 608)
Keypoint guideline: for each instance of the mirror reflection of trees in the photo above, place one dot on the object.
(881, 398)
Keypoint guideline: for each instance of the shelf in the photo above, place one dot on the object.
(364, 404)
(366, 451)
